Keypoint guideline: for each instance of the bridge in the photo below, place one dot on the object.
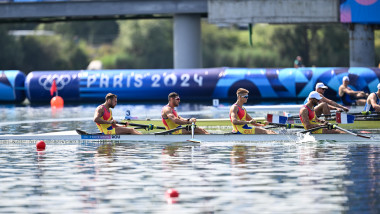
(187, 16)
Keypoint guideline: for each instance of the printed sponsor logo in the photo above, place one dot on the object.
(115, 136)
(95, 137)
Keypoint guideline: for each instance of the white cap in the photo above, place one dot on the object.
(315, 95)
(346, 78)
(378, 86)
(320, 85)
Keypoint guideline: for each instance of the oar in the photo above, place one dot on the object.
(192, 134)
(286, 125)
(313, 129)
(170, 131)
(149, 126)
(351, 133)
(366, 113)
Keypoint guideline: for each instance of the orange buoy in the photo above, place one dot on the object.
(56, 102)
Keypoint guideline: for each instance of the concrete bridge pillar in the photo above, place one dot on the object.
(187, 41)
(362, 46)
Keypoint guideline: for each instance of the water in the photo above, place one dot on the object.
(128, 177)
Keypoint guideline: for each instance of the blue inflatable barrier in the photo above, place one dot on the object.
(38, 84)
(12, 86)
(196, 84)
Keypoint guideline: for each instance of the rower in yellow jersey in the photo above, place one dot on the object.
(172, 120)
(105, 122)
(240, 118)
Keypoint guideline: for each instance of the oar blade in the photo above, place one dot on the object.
(194, 140)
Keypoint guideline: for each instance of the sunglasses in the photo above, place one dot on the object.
(246, 96)
(178, 98)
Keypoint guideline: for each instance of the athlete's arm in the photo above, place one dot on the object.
(334, 104)
(98, 116)
(234, 118)
(253, 121)
(305, 118)
(177, 120)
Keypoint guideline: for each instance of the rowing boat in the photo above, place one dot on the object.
(227, 137)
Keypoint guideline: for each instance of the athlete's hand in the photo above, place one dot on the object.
(113, 122)
(193, 120)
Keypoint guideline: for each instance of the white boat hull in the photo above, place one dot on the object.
(72, 136)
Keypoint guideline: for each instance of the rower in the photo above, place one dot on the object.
(172, 120)
(308, 116)
(105, 122)
(373, 101)
(240, 118)
(350, 97)
(326, 104)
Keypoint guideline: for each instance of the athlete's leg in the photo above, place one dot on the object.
(332, 131)
(126, 130)
(322, 108)
(259, 130)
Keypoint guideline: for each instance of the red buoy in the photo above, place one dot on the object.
(41, 145)
(172, 193)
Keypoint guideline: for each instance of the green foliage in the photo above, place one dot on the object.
(10, 51)
(137, 44)
(377, 48)
(149, 44)
(94, 32)
(321, 46)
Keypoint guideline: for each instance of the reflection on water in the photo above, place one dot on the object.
(130, 177)
(133, 178)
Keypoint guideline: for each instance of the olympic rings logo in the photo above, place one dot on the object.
(47, 80)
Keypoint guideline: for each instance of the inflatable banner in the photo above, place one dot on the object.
(12, 86)
(38, 84)
(196, 84)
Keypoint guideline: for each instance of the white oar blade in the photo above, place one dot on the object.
(194, 140)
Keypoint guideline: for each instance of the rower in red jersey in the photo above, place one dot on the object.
(105, 122)
(172, 120)
(240, 118)
(310, 120)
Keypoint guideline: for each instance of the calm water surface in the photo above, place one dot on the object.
(128, 177)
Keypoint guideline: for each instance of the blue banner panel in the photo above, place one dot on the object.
(360, 11)
(197, 84)
(38, 84)
(12, 86)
